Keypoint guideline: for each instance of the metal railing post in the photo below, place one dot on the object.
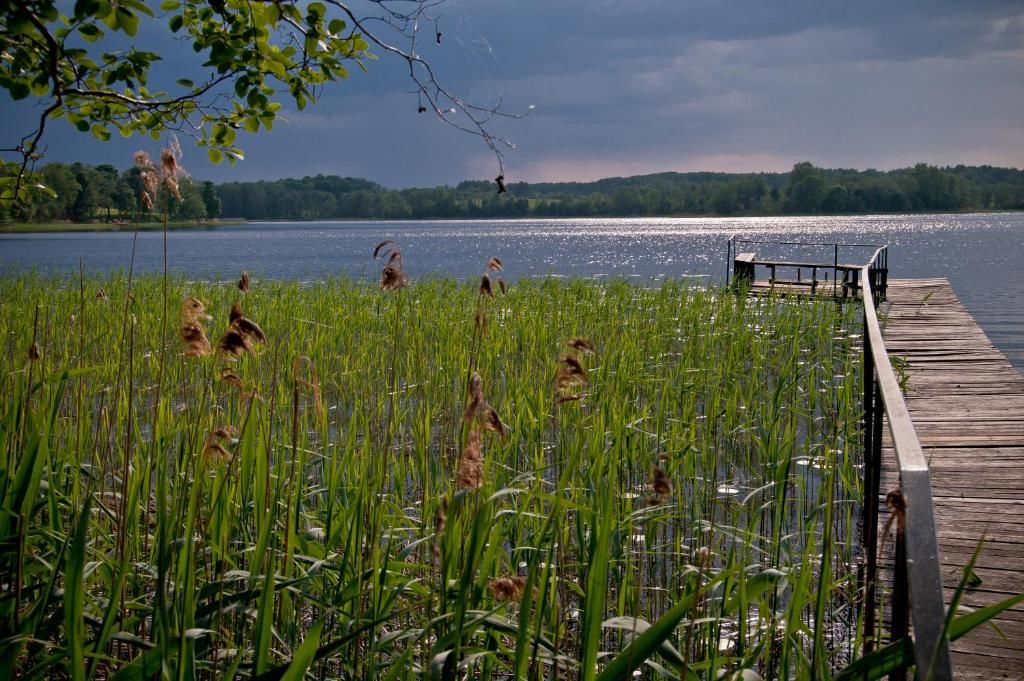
(900, 624)
(869, 511)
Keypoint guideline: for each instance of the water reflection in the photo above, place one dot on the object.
(978, 253)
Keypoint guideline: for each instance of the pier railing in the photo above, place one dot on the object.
(831, 266)
(917, 597)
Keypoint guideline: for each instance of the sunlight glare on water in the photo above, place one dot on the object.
(979, 253)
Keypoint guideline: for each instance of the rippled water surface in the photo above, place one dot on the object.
(981, 254)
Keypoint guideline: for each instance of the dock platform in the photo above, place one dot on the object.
(967, 405)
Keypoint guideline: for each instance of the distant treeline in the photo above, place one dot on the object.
(804, 190)
(85, 192)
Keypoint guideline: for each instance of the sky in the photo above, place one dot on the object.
(643, 86)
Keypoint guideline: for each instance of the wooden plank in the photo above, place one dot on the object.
(967, 405)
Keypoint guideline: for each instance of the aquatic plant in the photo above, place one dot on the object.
(671, 485)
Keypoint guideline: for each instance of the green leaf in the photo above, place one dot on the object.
(304, 655)
(176, 22)
(86, 8)
(18, 90)
(901, 653)
(90, 32)
(755, 587)
(169, 5)
(185, 82)
(100, 132)
(647, 643)
(74, 596)
(127, 20)
(215, 155)
(336, 26)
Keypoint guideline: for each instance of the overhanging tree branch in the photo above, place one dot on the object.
(260, 53)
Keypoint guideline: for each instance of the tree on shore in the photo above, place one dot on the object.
(258, 56)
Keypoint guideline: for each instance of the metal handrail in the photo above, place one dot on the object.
(918, 570)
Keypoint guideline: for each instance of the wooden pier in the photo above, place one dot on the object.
(967, 405)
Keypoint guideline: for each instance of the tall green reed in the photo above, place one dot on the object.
(299, 537)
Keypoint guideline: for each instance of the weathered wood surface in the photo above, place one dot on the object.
(967, 405)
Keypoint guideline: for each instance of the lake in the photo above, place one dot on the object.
(981, 254)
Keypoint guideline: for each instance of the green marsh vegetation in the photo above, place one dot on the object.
(554, 479)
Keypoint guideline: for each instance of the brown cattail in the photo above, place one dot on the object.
(213, 450)
(897, 505)
(492, 422)
(661, 485)
(495, 264)
(570, 373)
(392, 278)
(501, 286)
(228, 375)
(476, 398)
(102, 295)
(34, 353)
(470, 473)
(193, 310)
(194, 337)
(246, 327)
(480, 320)
(243, 282)
(242, 334)
(170, 157)
(142, 160)
(192, 333)
(228, 432)
(233, 343)
(485, 286)
(582, 345)
(505, 589)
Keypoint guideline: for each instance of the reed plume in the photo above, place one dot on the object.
(148, 177)
(392, 277)
(470, 473)
(506, 589)
(570, 377)
(193, 335)
(485, 286)
(242, 334)
(244, 282)
(660, 485)
(228, 375)
(212, 449)
(479, 414)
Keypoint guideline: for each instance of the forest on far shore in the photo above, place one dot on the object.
(85, 193)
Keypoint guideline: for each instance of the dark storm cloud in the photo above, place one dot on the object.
(643, 86)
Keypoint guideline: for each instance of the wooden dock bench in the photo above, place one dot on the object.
(745, 266)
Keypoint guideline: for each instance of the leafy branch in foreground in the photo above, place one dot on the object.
(84, 66)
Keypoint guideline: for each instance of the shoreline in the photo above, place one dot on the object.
(54, 227)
